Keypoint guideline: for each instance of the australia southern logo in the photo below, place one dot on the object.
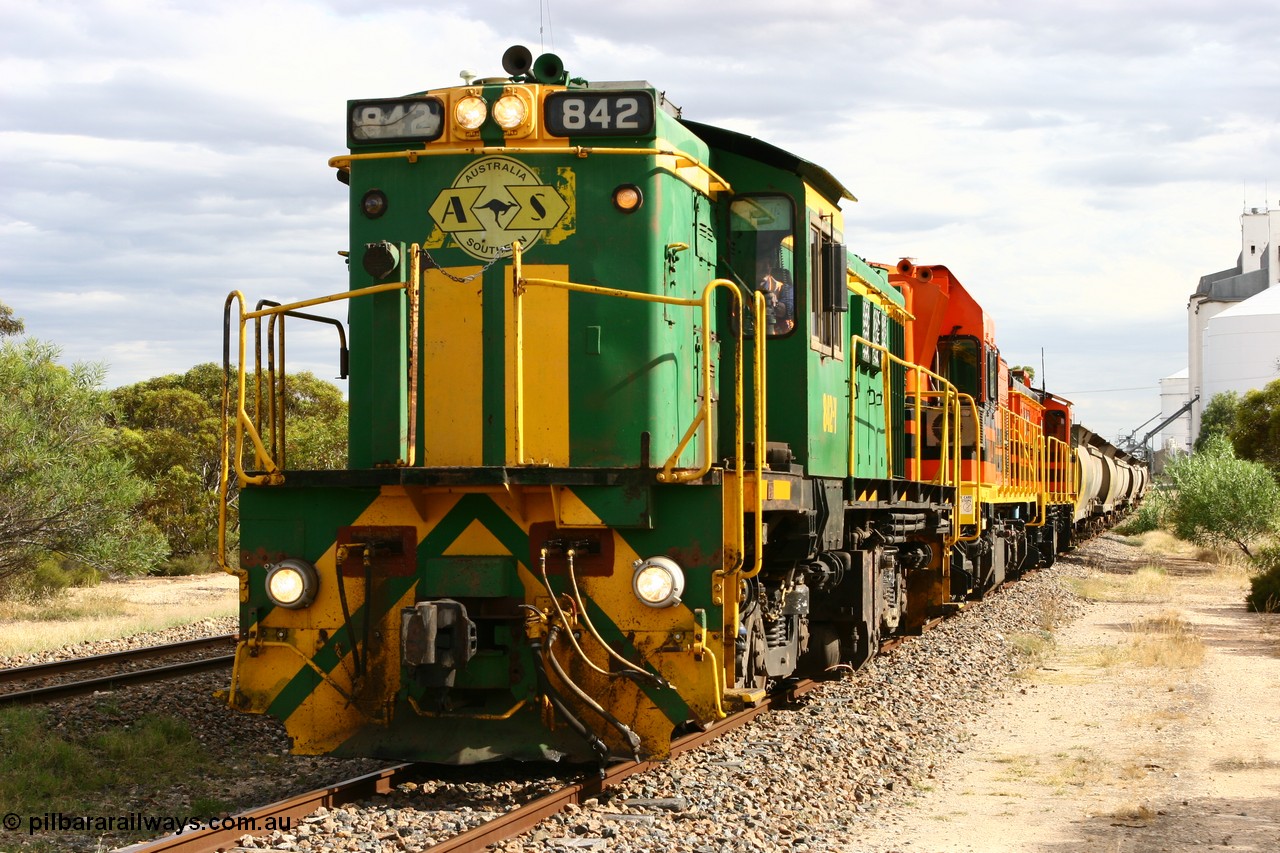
(494, 202)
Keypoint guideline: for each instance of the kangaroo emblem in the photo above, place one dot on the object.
(498, 208)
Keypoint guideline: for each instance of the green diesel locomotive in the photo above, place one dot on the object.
(632, 437)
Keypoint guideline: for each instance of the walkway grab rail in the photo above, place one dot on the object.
(234, 405)
(952, 405)
(703, 422)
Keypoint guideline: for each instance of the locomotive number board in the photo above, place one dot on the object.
(392, 120)
(599, 113)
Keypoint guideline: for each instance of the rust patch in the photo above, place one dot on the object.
(260, 557)
(593, 549)
(694, 557)
(393, 550)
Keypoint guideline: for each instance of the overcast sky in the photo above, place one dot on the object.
(1077, 165)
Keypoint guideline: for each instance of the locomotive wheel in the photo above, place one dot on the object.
(823, 651)
(749, 663)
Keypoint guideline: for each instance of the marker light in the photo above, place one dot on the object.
(627, 198)
(470, 112)
(374, 203)
(292, 583)
(658, 582)
(510, 112)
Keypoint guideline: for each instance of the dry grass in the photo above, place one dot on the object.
(1230, 765)
(1147, 584)
(1031, 650)
(1134, 813)
(1078, 767)
(113, 610)
(1018, 767)
(1166, 641)
(1271, 631)
(1160, 718)
(1163, 543)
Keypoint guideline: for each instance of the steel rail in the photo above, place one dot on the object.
(57, 667)
(525, 817)
(108, 682)
(294, 808)
(504, 827)
(475, 839)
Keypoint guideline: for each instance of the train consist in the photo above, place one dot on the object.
(633, 436)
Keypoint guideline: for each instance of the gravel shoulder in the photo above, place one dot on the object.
(1032, 722)
(1095, 752)
(116, 615)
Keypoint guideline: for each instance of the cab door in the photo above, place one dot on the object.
(828, 307)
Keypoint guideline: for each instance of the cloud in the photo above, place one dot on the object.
(1078, 165)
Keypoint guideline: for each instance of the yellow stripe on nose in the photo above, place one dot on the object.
(546, 369)
(453, 367)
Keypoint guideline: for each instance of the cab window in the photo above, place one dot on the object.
(761, 249)
(828, 293)
(959, 364)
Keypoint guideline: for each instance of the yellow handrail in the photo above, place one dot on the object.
(948, 392)
(951, 444)
(234, 459)
(761, 396)
(978, 448)
(703, 421)
(715, 182)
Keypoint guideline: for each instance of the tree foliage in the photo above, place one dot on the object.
(1255, 432)
(1218, 418)
(171, 427)
(1220, 500)
(316, 437)
(64, 488)
(9, 324)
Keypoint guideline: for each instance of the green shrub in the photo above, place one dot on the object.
(48, 578)
(1149, 516)
(187, 564)
(1219, 501)
(1264, 592)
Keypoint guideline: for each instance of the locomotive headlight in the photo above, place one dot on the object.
(470, 112)
(658, 582)
(510, 112)
(292, 583)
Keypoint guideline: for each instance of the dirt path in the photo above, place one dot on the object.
(1151, 724)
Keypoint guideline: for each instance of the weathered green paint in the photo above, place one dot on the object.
(281, 521)
(494, 375)
(307, 679)
(468, 577)
(634, 374)
(619, 506)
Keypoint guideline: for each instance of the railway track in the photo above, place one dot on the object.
(477, 838)
(61, 679)
(504, 826)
